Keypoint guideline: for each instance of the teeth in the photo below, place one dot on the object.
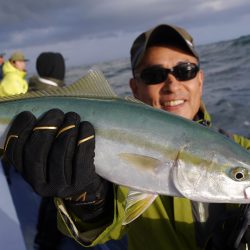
(173, 103)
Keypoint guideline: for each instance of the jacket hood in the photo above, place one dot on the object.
(9, 68)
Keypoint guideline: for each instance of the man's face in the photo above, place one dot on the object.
(179, 97)
(21, 65)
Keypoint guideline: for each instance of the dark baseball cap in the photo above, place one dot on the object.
(161, 34)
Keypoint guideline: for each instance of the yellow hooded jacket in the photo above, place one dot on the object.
(14, 82)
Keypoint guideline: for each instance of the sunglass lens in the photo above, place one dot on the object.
(154, 75)
(185, 71)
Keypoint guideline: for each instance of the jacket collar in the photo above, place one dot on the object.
(202, 116)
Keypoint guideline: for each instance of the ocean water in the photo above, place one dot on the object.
(226, 91)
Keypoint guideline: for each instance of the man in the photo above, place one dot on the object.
(14, 72)
(166, 75)
(1, 65)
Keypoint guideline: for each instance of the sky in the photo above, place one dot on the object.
(91, 31)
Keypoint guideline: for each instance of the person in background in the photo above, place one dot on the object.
(50, 67)
(14, 73)
(166, 74)
(1, 65)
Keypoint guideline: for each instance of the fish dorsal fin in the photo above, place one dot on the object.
(136, 203)
(93, 84)
(133, 99)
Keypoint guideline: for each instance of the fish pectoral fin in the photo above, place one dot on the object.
(136, 203)
(141, 161)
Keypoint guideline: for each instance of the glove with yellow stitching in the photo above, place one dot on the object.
(55, 154)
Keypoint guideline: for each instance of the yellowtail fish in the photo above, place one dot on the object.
(148, 150)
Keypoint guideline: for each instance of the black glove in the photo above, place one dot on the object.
(55, 154)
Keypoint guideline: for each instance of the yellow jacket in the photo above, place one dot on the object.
(13, 82)
(171, 223)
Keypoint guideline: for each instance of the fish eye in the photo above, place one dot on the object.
(239, 174)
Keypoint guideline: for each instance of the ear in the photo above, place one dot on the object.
(134, 87)
(201, 80)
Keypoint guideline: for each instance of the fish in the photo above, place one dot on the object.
(148, 150)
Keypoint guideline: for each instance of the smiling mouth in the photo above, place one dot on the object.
(173, 103)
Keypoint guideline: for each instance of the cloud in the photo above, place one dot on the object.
(32, 25)
(219, 5)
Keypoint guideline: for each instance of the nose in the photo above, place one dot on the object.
(171, 84)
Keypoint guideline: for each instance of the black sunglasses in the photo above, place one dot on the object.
(182, 72)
